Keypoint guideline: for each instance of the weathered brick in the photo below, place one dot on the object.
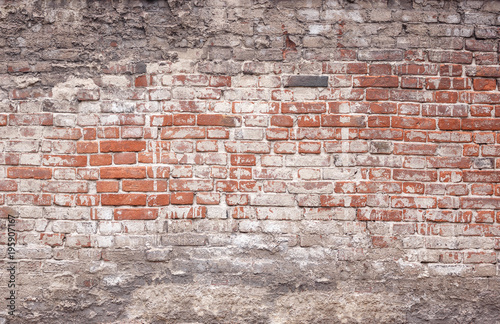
(123, 172)
(306, 81)
(135, 213)
(122, 146)
(219, 146)
(123, 199)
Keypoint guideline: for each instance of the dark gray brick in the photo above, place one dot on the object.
(306, 81)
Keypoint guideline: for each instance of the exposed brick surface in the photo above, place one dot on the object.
(306, 81)
(232, 161)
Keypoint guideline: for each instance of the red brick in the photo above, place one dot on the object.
(408, 95)
(413, 187)
(243, 160)
(282, 95)
(182, 198)
(135, 213)
(486, 58)
(379, 215)
(107, 186)
(414, 202)
(30, 93)
(449, 123)
(379, 121)
(381, 108)
(378, 186)
(310, 147)
(481, 45)
(282, 121)
(63, 133)
(29, 199)
(384, 241)
(446, 96)
(450, 70)
(236, 200)
(343, 121)
(376, 81)
(183, 133)
(240, 173)
(380, 55)
(437, 83)
(414, 175)
(303, 107)
(122, 146)
(100, 159)
(144, 185)
(417, 69)
(123, 199)
(444, 110)
(161, 120)
(65, 186)
(123, 172)
(217, 133)
(382, 133)
(220, 81)
(108, 132)
(8, 185)
(52, 239)
(190, 185)
(449, 162)
(30, 119)
(482, 189)
(29, 173)
(485, 84)
(184, 119)
(273, 134)
(415, 136)
(89, 134)
(485, 71)
(480, 257)
(379, 174)
(480, 97)
(141, 81)
(187, 212)
(348, 68)
(158, 200)
(218, 120)
(413, 122)
(159, 172)
(492, 124)
(88, 94)
(124, 158)
(87, 200)
(450, 57)
(87, 147)
(377, 94)
(191, 80)
(414, 149)
(208, 198)
(380, 69)
(481, 110)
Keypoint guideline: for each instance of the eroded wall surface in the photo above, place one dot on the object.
(257, 161)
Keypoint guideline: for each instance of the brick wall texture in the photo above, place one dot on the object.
(251, 161)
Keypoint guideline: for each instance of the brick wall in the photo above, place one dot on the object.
(227, 161)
